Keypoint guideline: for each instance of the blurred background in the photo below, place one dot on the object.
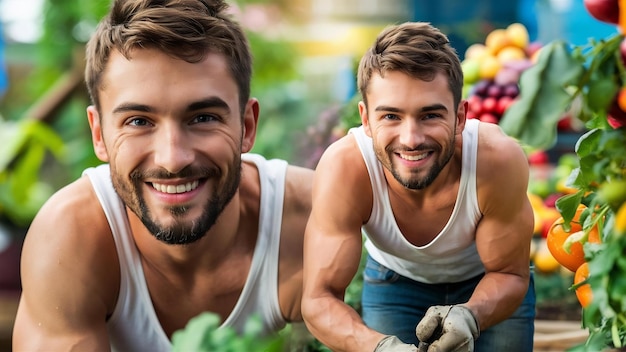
(305, 54)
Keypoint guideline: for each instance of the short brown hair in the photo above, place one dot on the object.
(415, 48)
(184, 29)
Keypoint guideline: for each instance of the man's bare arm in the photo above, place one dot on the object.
(67, 289)
(503, 235)
(332, 249)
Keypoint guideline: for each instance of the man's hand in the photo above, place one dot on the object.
(393, 344)
(448, 328)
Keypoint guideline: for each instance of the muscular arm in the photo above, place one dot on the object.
(503, 235)
(332, 249)
(296, 212)
(66, 287)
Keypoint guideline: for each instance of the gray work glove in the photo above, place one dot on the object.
(391, 343)
(448, 328)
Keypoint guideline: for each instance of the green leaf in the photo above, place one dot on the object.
(543, 97)
(567, 206)
(601, 93)
(588, 142)
(13, 139)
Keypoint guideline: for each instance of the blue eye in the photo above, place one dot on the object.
(138, 121)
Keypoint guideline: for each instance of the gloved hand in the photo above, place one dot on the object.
(391, 343)
(448, 328)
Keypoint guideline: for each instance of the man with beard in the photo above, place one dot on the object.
(443, 206)
(180, 219)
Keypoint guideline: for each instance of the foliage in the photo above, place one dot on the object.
(592, 74)
(534, 116)
(22, 154)
(203, 333)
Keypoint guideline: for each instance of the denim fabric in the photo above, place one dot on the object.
(393, 304)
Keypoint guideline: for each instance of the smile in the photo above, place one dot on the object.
(413, 157)
(175, 189)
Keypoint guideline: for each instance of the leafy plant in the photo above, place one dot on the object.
(24, 148)
(592, 75)
(203, 333)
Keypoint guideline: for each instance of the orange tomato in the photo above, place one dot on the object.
(557, 236)
(583, 292)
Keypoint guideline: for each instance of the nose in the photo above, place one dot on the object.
(173, 151)
(410, 134)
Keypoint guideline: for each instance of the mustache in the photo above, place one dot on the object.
(419, 148)
(187, 172)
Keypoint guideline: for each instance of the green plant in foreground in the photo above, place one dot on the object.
(203, 333)
(590, 75)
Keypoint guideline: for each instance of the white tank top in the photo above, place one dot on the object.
(451, 256)
(134, 325)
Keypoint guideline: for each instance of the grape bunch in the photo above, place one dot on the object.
(489, 98)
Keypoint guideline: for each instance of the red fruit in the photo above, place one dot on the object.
(503, 103)
(616, 113)
(551, 199)
(564, 124)
(489, 104)
(603, 10)
(538, 157)
(613, 122)
(488, 117)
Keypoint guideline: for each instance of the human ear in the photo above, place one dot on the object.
(364, 119)
(250, 120)
(96, 134)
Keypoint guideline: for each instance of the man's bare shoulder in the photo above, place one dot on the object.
(69, 253)
(342, 183)
(342, 166)
(502, 164)
(496, 145)
(70, 229)
(73, 207)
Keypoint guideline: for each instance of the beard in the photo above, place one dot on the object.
(180, 231)
(415, 182)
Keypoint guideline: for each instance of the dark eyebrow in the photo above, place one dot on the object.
(428, 108)
(125, 107)
(211, 102)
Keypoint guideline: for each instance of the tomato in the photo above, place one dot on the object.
(583, 292)
(557, 236)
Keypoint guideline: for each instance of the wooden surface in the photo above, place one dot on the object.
(555, 335)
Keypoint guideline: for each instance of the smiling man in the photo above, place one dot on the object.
(179, 219)
(443, 206)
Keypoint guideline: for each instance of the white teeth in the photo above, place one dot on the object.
(173, 189)
(413, 157)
